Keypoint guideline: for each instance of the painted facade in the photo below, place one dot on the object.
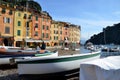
(22, 27)
(6, 23)
(18, 23)
(74, 33)
(46, 24)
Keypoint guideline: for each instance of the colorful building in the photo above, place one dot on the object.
(46, 24)
(6, 23)
(22, 27)
(59, 32)
(74, 33)
(27, 22)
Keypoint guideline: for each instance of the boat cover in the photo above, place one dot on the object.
(101, 69)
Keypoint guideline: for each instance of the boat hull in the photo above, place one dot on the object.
(12, 59)
(5, 50)
(54, 64)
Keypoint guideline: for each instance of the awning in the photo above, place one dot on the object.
(32, 40)
(19, 39)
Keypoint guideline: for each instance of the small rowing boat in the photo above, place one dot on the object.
(10, 59)
(16, 50)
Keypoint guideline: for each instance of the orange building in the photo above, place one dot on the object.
(36, 26)
(6, 23)
(66, 32)
(45, 29)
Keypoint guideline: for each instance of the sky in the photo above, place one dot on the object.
(91, 15)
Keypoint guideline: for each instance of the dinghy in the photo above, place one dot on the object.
(16, 50)
(53, 65)
(11, 59)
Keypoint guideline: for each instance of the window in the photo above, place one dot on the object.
(55, 37)
(36, 18)
(25, 16)
(18, 32)
(7, 30)
(7, 20)
(47, 35)
(60, 32)
(30, 17)
(3, 10)
(55, 32)
(19, 14)
(27, 33)
(10, 13)
(43, 35)
(43, 27)
(47, 28)
(36, 33)
(19, 23)
(36, 25)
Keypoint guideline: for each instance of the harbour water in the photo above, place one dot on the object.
(12, 74)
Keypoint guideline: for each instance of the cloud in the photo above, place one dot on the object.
(88, 22)
(89, 27)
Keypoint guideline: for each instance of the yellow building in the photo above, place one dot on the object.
(22, 26)
(57, 29)
(74, 32)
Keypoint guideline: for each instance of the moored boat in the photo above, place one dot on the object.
(10, 59)
(16, 50)
(53, 65)
(105, 52)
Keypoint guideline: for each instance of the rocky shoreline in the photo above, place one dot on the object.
(9, 72)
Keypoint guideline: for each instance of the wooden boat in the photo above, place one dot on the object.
(11, 59)
(16, 50)
(53, 65)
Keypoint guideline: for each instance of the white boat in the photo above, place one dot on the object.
(16, 50)
(53, 65)
(11, 59)
(105, 52)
